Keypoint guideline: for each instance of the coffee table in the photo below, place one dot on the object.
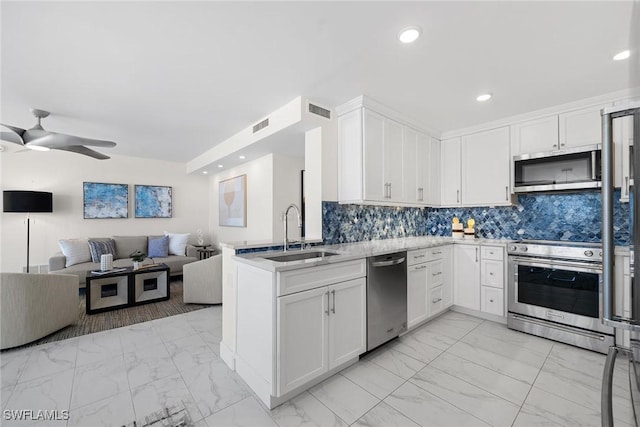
(126, 287)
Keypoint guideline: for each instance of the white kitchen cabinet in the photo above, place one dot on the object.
(534, 136)
(450, 152)
(434, 168)
(485, 168)
(580, 127)
(428, 283)
(492, 300)
(466, 287)
(319, 330)
(381, 160)
(373, 147)
(417, 308)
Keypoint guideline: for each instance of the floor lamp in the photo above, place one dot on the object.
(27, 202)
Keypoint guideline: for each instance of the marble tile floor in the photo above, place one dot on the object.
(457, 370)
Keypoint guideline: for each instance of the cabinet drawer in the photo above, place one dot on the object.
(492, 300)
(303, 279)
(492, 252)
(436, 301)
(435, 273)
(437, 252)
(492, 273)
(417, 256)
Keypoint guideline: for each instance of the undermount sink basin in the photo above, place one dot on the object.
(293, 256)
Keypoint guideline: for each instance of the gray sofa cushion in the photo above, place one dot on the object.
(125, 245)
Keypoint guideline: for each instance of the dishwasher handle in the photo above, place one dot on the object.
(388, 263)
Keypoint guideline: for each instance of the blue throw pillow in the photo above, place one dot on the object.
(101, 247)
(158, 247)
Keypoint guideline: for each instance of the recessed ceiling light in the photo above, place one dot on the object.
(220, 166)
(205, 172)
(37, 147)
(622, 55)
(484, 97)
(409, 34)
(242, 157)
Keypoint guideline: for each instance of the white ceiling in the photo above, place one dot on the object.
(169, 80)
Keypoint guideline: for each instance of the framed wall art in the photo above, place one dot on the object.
(153, 201)
(102, 200)
(232, 202)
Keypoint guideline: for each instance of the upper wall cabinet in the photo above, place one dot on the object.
(381, 160)
(451, 191)
(485, 168)
(571, 129)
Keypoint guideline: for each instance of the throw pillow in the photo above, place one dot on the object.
(177, 243)
(101, 247)
(76, 251)
(158, 247)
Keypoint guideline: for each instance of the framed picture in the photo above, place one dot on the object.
(105, 200)
(232, 202)
(153, 201)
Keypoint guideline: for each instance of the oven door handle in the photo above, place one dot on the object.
(556, 264)
(558, 279)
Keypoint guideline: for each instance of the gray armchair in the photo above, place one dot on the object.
(202, 281)
(34, 305)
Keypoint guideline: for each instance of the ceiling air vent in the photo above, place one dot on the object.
(314, 109)
(263, 124)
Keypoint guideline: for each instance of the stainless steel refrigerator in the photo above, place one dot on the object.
(620, 308)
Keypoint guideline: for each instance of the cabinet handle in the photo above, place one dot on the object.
(506, 193)
(436, 274)
(327, 310)
(421, 267)
(436, 300)
(593, 165)
(333, 309)
(458, 196)
(555, 145)
(389, 190)
(626, 185)
(419, 256)
(490, 274)
(476, 254)
(490, 300)
(436, 253)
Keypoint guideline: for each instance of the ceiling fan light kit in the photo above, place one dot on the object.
(37, 138)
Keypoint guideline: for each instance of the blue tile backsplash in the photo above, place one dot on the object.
(560, 216)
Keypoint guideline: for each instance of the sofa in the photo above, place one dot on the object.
(122, 246)
(33, 306)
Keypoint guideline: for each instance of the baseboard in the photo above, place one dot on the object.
(480, 314)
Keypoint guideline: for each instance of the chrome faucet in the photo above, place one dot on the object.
(286, 223)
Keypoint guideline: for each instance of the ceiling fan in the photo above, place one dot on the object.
(37, 138)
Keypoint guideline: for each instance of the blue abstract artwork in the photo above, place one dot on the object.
(153, 201)
(105, 200)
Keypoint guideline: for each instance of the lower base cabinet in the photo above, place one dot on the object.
(479, 278)
(491, 300)
(319, 330)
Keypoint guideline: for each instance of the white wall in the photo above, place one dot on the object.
(63, 174)
(273, 182)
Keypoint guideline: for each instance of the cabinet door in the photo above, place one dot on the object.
(435, 177)
(409, 165)
(581, 127)
(302, 338)
(534, 136)
(417, 308)
(350, 146)
(423, 161)
(466, 289)
(436, 300)
(485, 168)
(447, 275)
(492, 300)
(373, 165)
(347, 321)
(393, 160)
(450, 153)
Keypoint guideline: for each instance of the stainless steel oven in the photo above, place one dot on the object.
(555, 292)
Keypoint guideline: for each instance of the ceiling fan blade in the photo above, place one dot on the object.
(14, 134)
(34, 133)
(84, 150)
(57, 140)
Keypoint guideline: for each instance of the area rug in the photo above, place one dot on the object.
(88, 324)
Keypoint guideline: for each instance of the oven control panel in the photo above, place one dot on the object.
(579, 251)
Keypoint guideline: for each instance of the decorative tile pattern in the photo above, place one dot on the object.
(559, 216)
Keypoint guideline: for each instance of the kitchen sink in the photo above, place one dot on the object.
(298, 256)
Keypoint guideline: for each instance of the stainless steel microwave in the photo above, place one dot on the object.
(568, 169)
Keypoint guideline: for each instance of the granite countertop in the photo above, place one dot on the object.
(359, 250)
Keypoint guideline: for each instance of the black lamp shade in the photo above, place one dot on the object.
(27, 201)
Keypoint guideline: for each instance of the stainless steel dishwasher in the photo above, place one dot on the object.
(386, 298)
